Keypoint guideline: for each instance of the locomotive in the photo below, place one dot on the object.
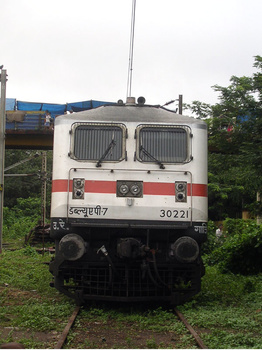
(129, 203)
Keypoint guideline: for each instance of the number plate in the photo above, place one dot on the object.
(175, 214)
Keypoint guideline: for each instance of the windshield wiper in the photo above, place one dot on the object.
(161, 165)
(110, 146)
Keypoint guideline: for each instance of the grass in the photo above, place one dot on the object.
(27, 303)
(227, 312)
(25, 269)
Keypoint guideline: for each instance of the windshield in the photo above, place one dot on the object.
(98, 143)
(163, 144)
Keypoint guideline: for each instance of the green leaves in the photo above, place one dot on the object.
(19, 220)
(242, 250)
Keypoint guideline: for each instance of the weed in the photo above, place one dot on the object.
(224, 288)
(151, 344)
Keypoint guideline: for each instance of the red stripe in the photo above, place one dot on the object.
(159, 188)
(198, 190)
(94, 186)
(60, 186)
(150, 188)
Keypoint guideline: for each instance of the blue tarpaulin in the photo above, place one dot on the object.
(79, 106)
(84, 105)
(10, 104)
(54, 109)
(28, 106)
(32, 120)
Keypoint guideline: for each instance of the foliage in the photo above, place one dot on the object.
(241, 252)
(20, 219)
(235, 145)
(210, 243)
(25, 186)
(224, 288)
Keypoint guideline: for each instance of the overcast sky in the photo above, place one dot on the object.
(59, 51)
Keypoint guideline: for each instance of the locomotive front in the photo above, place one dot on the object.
(129, 204)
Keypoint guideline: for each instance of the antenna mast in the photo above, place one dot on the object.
(131, 50)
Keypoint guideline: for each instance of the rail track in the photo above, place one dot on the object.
(69, 325)
(191, 329)
(180, 316)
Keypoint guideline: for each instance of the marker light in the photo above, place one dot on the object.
(181, 191)
(78, 188)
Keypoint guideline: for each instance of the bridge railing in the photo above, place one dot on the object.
(25, 120)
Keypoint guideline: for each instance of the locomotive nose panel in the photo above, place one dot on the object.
(107, 195)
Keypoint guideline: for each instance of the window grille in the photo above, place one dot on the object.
(91, 142)
(165, 144)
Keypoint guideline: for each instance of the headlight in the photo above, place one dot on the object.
(135, 190)
(180, 186)
(78, 194)
(79, 183)
(129, 189)
(124, 189)
(78, 188)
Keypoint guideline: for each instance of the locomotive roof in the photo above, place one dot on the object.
(135, 113)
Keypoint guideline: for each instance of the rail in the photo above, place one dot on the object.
(64, 335)
(191, 329)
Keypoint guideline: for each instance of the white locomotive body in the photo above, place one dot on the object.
(129, 203)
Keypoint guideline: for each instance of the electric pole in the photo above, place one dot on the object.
(2, 148)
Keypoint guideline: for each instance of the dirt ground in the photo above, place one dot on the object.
(19, 335)
(111, 336)
(98, 335)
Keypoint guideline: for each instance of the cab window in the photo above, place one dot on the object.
(166, 144)
(94, 142)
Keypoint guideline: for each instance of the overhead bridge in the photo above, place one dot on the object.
(26, 130)
(25, 121)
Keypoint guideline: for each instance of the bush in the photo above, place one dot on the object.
(19, 220)
(210, 243)
(224, 288)
(242, 250)
(237, 226)
(28, 207)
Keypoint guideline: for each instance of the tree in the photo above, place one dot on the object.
(235, 145)
(25, 186)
